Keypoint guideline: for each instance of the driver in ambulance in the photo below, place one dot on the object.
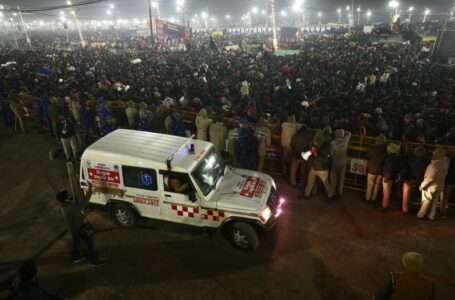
(177, 183)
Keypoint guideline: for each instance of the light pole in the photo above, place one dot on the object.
(393, 4)
(73, 12)
(204, 16)
(274, 36)
(348, 9)
(410, 10)
(254, 11)
(358, 15)
(156, 7)
(339, 15)
(297, 8)
(182, 10)
(27, 38)
(112, 11)
(283, 14)
(228, 18)
(319, 16)
(368, 16)
(425, 15)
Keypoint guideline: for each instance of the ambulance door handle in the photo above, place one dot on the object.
(167, 195)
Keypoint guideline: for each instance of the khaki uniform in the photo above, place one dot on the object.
(288, 129)
(132, 116)
(339, 150)
(409, 285)
(218, 134)
(202, 124)
(18, 110)
(232, 145)
(320, 168)
(300, 143)
(265, 139)
(75, 107)
(432, 186)
(324, 176)
(375, 157)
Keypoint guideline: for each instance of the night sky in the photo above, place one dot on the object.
(138, 8)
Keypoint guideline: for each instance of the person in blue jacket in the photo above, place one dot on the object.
(39, 105)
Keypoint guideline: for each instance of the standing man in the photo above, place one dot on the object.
(17, 107)
(320, 165)
(433, 183)
(202, 123)
(408, 284)
(8, 115)
(74, 219)
(105, 117)
(390, 171)
(132, 114)
(264, 136)
(232, 145)
(218, 134)
(86, 120)
(53, 108)
(300, 143)
(339, 153)
(288, 129)
(417, 163)
(66, 131)
(247, 146)
(39, 105)
(375, 156)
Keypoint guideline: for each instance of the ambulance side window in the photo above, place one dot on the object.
(140, 178)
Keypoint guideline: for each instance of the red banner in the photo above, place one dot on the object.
(250, 187)
(103, 175)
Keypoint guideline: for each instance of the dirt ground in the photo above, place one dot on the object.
(342, 250)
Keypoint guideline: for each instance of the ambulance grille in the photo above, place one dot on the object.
(273, 201)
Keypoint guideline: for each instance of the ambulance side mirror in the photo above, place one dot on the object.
(192, 196)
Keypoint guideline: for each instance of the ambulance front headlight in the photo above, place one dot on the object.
(265, 214)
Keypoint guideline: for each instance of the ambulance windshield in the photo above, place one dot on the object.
(209, 171)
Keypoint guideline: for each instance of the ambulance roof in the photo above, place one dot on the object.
(145, 149)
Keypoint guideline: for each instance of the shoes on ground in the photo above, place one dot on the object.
(78, 260)
(98, 263)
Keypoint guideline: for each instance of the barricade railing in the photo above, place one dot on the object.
(358, 147)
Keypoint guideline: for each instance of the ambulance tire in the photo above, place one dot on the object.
(123, 215)
(243, 236)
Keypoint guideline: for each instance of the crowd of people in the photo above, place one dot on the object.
(339, 84)
(350, 83)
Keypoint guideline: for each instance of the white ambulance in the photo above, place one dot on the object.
(141, 175)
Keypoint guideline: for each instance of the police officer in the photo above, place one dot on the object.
(39, 105)
(339, 153)
(86, 120)
(375, 156)
(408, 284)
(320, 165)
(247, 146)
(416, 163)
(390, 171)
(104, 117)
(432, 185)
(144, 112)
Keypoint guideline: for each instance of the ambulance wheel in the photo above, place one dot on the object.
(123, 215)
(243, 236)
